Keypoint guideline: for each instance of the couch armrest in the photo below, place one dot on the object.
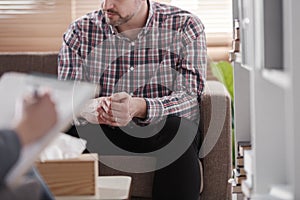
(215, 151)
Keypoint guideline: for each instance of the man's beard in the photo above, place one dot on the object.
(121, 20)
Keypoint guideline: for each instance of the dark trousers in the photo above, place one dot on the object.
(179, 179)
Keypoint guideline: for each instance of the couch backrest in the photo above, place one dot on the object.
(44, 62)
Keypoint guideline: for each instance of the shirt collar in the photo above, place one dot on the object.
(151, 12)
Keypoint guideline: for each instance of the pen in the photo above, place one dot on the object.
(36, 92)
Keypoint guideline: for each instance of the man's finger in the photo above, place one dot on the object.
(108, 117)
(119, 96)
(116, 106)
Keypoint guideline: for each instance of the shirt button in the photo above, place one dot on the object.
(132, 43)
(131, 68)
(131, 94)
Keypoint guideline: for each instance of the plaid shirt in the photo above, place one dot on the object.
(165, 64)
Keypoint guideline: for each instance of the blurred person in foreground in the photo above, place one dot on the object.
(150, 62)
(38, 117)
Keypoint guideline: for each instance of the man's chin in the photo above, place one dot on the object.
(110, 21)
(113, 23)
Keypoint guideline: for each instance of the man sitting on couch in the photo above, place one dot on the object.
(150, 62)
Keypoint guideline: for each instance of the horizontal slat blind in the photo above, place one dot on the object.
(38, 25)
(40, 29)
(83, 7)
(9, 9)
(215, 14)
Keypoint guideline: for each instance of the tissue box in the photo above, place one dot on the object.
(76, 176)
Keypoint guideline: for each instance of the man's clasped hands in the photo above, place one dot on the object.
(115, 110)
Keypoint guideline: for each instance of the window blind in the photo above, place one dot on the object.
(11, 8)
(38, 25)
(33, 25)
(82, 7)
(216, 15)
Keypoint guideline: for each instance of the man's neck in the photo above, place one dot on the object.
(132, 28)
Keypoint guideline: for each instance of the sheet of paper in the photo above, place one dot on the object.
(69, 97)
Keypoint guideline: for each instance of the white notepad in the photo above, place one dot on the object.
(69, 97)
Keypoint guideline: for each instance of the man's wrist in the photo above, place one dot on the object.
(23, 133)
(138, 107)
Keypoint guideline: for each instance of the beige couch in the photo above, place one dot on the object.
(215, 115)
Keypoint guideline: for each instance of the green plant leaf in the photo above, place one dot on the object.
(224, 72)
